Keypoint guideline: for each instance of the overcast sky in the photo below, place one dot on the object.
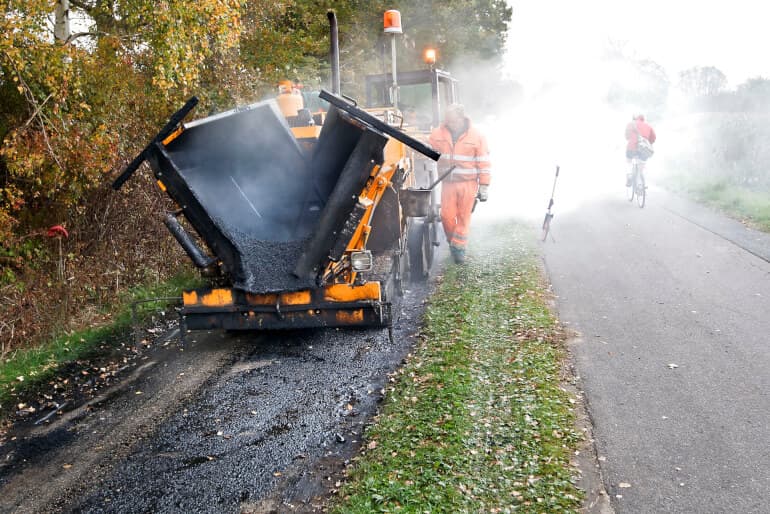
(551, 39)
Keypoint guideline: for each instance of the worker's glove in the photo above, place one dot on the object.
(483, 193)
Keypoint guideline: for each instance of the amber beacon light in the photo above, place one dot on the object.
(429, 56)
(392, 22)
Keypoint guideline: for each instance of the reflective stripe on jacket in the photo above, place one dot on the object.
(469, 155)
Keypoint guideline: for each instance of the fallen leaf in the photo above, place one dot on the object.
(372, 445)
(67, 466)
(624, 485)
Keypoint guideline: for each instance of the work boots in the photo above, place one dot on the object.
(458, 254)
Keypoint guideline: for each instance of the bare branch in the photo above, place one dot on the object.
(37, 111)
(77, 35)
(30, 96)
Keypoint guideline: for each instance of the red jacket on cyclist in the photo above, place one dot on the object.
(644, 130)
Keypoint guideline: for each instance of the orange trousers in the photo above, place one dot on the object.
(457, 200)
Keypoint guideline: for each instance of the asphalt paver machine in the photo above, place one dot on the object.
(294, 225)
(296, 235)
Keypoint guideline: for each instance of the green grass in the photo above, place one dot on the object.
(25, 369)
(752, 207)
(476, 421)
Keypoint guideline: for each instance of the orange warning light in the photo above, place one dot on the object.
(392, 22)
(429, 56)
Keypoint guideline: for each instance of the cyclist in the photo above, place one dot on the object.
(637, 128)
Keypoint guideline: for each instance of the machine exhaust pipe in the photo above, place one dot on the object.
(334, 52)
(186, 241)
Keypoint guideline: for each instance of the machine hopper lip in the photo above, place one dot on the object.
(379, 125)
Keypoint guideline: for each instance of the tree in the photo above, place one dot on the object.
(69, 106)
(754, 94)
(702, 81)
(635, 83)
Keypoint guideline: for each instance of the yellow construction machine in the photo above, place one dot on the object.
(304, 224)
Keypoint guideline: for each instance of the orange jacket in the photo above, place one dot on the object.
(645, 130)
(469, 155)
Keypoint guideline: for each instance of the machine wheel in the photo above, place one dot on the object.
(400, 272)
(421, 250)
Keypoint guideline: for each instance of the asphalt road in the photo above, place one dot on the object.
(254, 422)
(670, 305)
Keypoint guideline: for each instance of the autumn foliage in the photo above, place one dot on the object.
(74, 112)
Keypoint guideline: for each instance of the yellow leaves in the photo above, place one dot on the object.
(184, 34)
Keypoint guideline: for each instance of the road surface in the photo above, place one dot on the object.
(671, 309)
(257, 422)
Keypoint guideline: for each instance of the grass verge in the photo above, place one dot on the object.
(476, 421)
(25, 369)
(751, 207)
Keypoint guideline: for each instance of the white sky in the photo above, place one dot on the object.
(569, 123)
(551, 38)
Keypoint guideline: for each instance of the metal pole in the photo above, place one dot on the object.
(393, 68)
(437, 100)
(334, 51)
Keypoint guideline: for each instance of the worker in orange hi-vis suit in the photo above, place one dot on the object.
(464, 148)
(289, 98)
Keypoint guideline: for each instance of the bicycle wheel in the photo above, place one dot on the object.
(630, 188)
(641, 190)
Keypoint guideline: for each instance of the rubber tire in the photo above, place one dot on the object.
(420, 250)
(399, 274)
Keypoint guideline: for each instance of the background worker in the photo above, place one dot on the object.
(465, 148)
(289, 98)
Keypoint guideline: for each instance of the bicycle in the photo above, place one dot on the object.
(637, 185)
